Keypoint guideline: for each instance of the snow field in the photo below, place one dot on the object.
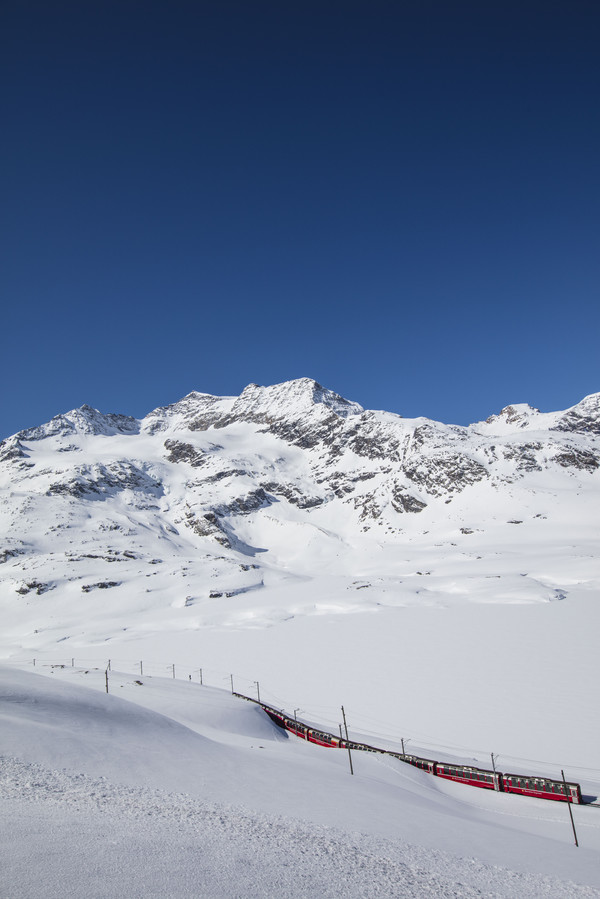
(171, 786)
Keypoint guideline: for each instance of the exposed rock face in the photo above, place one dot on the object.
(440, 475)
(183, 452)
(519, 415)
(11, 450)
(293, 495)
(101, 480)
(572, 457)
(404, 502)
(584, 418)
(195, 412)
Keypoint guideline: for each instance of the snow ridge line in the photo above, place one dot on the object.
(364, 866)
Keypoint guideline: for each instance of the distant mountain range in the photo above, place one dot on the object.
(230, 495)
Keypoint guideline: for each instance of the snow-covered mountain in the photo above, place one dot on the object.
(290, 481)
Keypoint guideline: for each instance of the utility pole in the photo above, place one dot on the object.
(106, 678)
(231, 676)
(257, 689)
(141, 669)
(109, 665)
(346, 729)
(201, 677)
(402, 741)
(496, 784)
(570, 810)
(173, 672)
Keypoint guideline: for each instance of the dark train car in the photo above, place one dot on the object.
(424, 764)
(362, 747)
(296, 727)
(475, 777)
(542, 788)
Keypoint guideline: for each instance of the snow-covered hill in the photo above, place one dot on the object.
(171, 789)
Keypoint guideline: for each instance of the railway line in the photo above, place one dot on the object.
(524, 785)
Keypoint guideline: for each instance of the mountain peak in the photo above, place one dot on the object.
(85, 420)
(292, 398)
(584, 417)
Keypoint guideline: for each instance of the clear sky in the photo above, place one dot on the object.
(399, 199)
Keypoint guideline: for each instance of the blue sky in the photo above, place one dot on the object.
(400, 200)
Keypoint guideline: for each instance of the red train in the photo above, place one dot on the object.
(526, 785)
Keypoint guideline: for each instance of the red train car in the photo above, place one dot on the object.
(322, 738)
(301, 730)
(542, 788)
(475, 777)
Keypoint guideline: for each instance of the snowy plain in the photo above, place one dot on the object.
(467, 629)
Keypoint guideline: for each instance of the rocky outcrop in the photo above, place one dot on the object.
(102, 480)
(184, 452)
(405, 502)
(584, 418)
(12, 451)
(440, 475)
